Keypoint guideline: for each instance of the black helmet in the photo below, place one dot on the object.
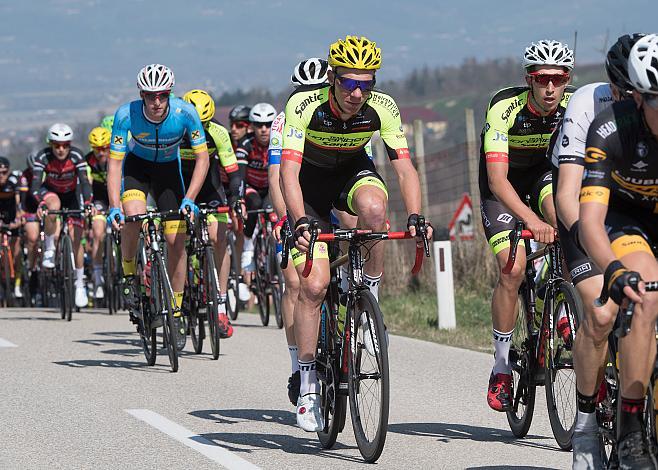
(616, 62)
(239, 113)
(4, 162)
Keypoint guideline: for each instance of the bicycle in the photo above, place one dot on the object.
(342, 356)
(112, 270)
(65, 261)
(609, 398)
(155, 307)
(201, 298)
(235, 276)
(6, 268)
(268, 280)
(539, 354)
(46, 293)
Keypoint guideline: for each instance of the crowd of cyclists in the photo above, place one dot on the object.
(574, 165)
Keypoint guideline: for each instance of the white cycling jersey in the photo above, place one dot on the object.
(584, 105)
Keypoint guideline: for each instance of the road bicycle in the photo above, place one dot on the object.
(7, 274)
(539, 353)
(352, 353)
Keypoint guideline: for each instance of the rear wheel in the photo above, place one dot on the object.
(260, 280)
(368, 377)
(523, 381)
(560, 377)
(232, 297)
(277, 282)
(164, 306)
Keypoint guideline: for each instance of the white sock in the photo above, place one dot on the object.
(98, 274)
(586, 422)
(294, 365)
(221, 308)
(502, 342)
(309, 379)
(79, 277)
(373, 284)
(248, 244)
(50, 242)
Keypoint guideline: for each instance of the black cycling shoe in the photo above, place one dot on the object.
(181, 337)
(634, 453)
(294, 382)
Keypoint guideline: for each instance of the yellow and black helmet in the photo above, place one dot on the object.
(355, 53)
(203, 103)
(99, 137)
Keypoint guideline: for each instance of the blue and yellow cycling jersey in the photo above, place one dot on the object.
(156, 142)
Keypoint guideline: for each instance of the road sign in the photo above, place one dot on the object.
(461, 225)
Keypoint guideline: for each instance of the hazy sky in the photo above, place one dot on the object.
(66, 56)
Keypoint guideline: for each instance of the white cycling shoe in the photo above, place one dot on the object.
(81, 299)
(48, 259)
(18, 292)
(309, 413)
(100, 293)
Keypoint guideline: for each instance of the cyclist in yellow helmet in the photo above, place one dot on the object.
(324, 166)
(99, 141)
(212, 192)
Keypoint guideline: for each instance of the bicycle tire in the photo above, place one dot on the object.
(161, 287)
(261, 282)
(194, 321)
(212, 300)
(519, 417)
(108, 274)
(334, 404)
(559, 358)
(6, 277)
(65, 275)
(147, 334)
(276, 282)
(365, 303)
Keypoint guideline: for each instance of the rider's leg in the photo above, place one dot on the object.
(98, 225)
(79, 254)
(134, 203)
(52, 224)
(288, 302)
(175, 235)
(31, 230)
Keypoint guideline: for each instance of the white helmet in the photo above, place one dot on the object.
(59, 132)
(155, 77)
(262, 112)
(311, 71)
(643, 64)
(548, 52)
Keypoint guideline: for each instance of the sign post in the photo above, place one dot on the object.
(445, 291)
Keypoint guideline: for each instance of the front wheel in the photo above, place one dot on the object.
(368, 376)
(523, 380)
(560, 377)
(161, 287)
(211, 297)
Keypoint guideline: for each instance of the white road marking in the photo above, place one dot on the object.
(7, 344)
(192, 440)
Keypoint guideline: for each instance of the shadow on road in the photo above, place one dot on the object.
(140, 366)
(36, 318)
(249, 442)
(511, 467)
(446, 432)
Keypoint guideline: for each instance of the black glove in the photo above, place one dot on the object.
(301, 226)
(417, 221)
(617, 277)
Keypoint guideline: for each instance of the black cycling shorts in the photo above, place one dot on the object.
(163, 180)
(212, 191)
(326, 188)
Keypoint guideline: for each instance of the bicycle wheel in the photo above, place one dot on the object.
(328, 365)
(523, 381)
(194, 317)
(368, 377)
(163, 300)
(560, 377)
(66, 275)
(108, 274)
(276, 282)
(211, 296)
(147, 333)
(260, 279)
(6, 277)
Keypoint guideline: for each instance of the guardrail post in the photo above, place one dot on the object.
(445, 292)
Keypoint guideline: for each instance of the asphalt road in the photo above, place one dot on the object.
(79, 395)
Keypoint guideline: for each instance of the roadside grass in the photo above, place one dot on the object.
(414, 314)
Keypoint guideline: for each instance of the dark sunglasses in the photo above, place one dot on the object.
(61, 144)
(350, 85)
(240, 124)
(258, 125)
(4, 172)
(543, 79)
(152, 96)
(651, 100)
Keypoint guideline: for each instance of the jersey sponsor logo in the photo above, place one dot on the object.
(338, 141)
(501, 137)
(275, 141)
(196, 134)
(403, 153)
(594, 155)
(548, 177)
(643, 187)
(505, 218)
(299, 109)
(606, 129)
(142, 135)
(294, 132)
(605, 99)
(387, 103)
(497, 157)
(582, 269)
(508, 112)
(599, 194)
(277, 125)
(596, 174)
(118, 140)
(487, 126)
(642, 149)
(640, 165)
(565, 141)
